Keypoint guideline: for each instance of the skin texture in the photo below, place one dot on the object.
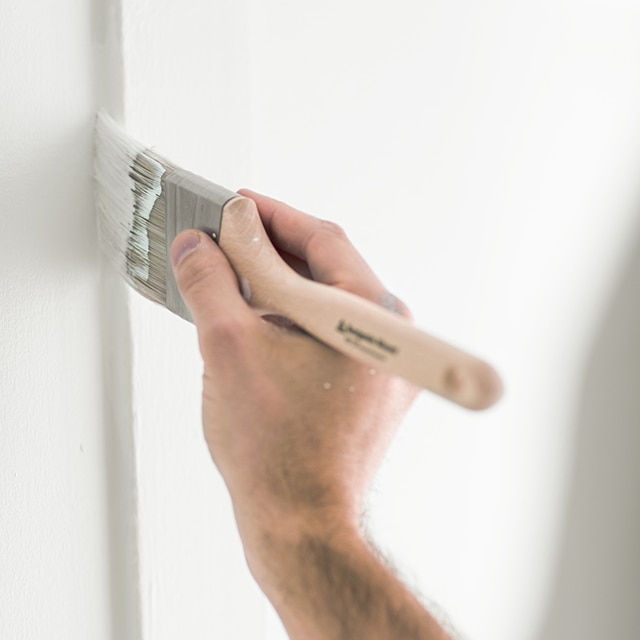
(298, 432)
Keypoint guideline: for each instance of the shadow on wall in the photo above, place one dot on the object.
(596, 593)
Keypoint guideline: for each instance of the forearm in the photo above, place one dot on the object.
(327, 584)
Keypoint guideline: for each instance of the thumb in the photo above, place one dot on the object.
(208, 284)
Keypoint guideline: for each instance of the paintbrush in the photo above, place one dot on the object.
(144, 201)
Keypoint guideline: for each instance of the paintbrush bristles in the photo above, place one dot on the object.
(131, 208)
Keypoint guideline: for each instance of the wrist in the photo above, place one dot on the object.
(278, 547)
(324, 581)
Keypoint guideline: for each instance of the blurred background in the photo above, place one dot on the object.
(485, 159)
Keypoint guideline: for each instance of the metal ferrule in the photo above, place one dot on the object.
(191, 203)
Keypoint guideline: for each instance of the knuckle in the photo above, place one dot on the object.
(332, 228)
(324, 235)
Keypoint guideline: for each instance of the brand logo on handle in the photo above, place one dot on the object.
(373, 345)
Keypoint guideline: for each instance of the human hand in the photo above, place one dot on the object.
(298, 432)
(293, 426)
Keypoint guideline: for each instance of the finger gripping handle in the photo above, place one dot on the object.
(350, 324)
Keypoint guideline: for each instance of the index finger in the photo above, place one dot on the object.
(331, 257)
(288, 228)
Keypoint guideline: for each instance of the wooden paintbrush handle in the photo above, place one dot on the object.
(350, 324)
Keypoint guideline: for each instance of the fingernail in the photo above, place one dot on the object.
(183, 246)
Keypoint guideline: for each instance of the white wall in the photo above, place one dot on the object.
(484, 156)
(54, 554)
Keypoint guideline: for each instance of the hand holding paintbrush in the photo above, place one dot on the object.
(298, 432)
(145, 202)
(297, 429)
